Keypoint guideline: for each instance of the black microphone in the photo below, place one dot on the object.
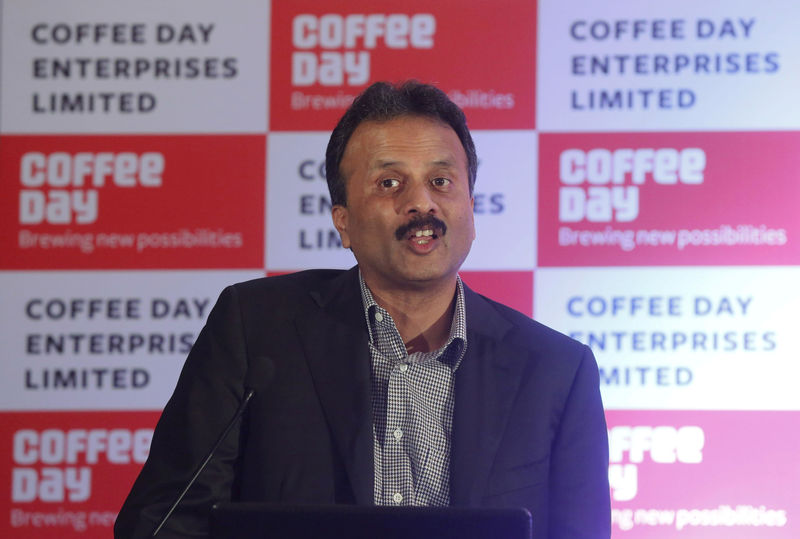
(258, 375)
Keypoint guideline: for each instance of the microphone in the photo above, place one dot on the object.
(258, 375)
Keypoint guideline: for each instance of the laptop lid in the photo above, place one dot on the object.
(268, 521)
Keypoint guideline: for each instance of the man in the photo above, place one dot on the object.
(391, 383)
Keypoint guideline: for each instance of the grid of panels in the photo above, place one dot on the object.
(635, 190)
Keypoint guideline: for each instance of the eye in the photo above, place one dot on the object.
(389, 183)
(441, 182)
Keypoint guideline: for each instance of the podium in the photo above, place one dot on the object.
(268, 521)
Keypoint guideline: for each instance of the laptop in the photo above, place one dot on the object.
(267, 521)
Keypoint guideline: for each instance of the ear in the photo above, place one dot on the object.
(340, 221)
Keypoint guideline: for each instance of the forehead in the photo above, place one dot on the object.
(405, 140)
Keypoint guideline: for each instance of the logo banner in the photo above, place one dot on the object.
(156, 202)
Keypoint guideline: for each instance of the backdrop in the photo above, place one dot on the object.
(637, 190)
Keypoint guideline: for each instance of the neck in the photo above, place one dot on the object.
(422, 316)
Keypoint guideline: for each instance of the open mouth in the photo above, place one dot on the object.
(423, 236)
(422, 230)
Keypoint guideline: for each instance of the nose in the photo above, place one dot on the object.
(418, 198)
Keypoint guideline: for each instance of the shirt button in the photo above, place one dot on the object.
(397, 434)
(397, 497)
(378, 317)
(403, 367)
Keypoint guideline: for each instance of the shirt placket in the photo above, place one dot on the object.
(400, 437)
(396, 481)
(399, 489)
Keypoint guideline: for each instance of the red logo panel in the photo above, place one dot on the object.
(481, 53)
(511, 288)
(623, 199)
(100, 202)
(66, 474)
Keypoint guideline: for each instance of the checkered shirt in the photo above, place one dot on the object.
(412, 408)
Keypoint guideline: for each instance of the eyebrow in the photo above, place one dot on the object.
(389, 164)
(444, 163)
(385, 164)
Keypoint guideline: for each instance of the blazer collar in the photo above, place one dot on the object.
(335, 343)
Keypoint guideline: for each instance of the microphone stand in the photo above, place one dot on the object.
(248, 394)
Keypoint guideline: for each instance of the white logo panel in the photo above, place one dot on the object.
(93, 66)
(505, 201)
(682, 65)
(682, 338)
(300, 232)
(101, 340)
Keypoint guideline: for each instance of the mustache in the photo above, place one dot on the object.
(427, 221)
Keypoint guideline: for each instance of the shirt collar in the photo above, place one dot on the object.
(456, 345)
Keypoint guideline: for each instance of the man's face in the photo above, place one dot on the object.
(408, 218)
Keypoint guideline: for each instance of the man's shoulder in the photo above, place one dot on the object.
(279, 296)
(290, 283)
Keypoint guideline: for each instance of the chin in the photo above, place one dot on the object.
(428, 275)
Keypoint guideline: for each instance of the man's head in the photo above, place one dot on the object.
(401, 180)
(383, 101)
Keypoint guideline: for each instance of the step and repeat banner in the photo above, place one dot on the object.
(637, 190)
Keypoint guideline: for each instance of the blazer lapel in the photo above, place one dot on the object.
(486, 384)
(335, 343)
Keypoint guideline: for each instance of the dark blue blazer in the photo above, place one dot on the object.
(528, 426)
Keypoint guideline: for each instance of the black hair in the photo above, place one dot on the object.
(384, 101)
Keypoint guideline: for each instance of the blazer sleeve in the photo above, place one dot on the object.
(579, 494)
(208, 392)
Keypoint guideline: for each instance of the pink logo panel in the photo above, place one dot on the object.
(704, 474)
(623, 199)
